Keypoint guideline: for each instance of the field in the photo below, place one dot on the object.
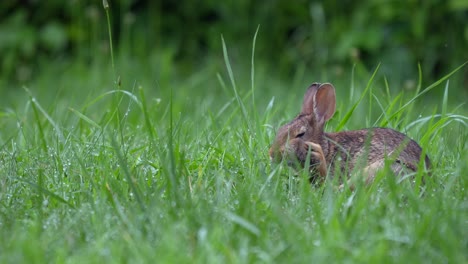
(135, 161)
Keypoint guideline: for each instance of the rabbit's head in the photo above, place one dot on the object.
(317, 108)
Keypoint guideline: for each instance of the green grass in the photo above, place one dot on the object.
(160, 167)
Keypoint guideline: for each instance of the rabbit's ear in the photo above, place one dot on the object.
(324, 102)
(308, 103)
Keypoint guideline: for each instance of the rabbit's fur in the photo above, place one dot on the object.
(365, 149)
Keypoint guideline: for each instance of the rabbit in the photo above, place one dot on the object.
(365, 149)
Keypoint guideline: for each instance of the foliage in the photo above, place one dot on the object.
(294, 34)
(149, 154)
(136, 172)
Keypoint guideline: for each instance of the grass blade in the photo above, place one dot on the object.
(444, 99)
(131, 181)
(144, 108)
(85, 118)
(345, 119)
(234, 86)
(252, 65)
(429, 88)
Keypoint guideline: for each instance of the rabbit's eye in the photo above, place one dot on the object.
(300, 135)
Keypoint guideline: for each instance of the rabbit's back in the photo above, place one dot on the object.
(368, 149)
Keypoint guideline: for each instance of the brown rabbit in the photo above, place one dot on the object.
(366, 148)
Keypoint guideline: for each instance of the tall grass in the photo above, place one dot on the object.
(179, 172)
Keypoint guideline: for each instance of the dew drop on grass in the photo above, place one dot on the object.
(139, 161)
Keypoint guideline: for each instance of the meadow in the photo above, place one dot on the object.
(135, 161)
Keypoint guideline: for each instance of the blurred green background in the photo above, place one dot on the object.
(294, 36)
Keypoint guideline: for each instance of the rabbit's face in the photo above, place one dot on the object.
(290, 142)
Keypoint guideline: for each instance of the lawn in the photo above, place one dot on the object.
(141, 162)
